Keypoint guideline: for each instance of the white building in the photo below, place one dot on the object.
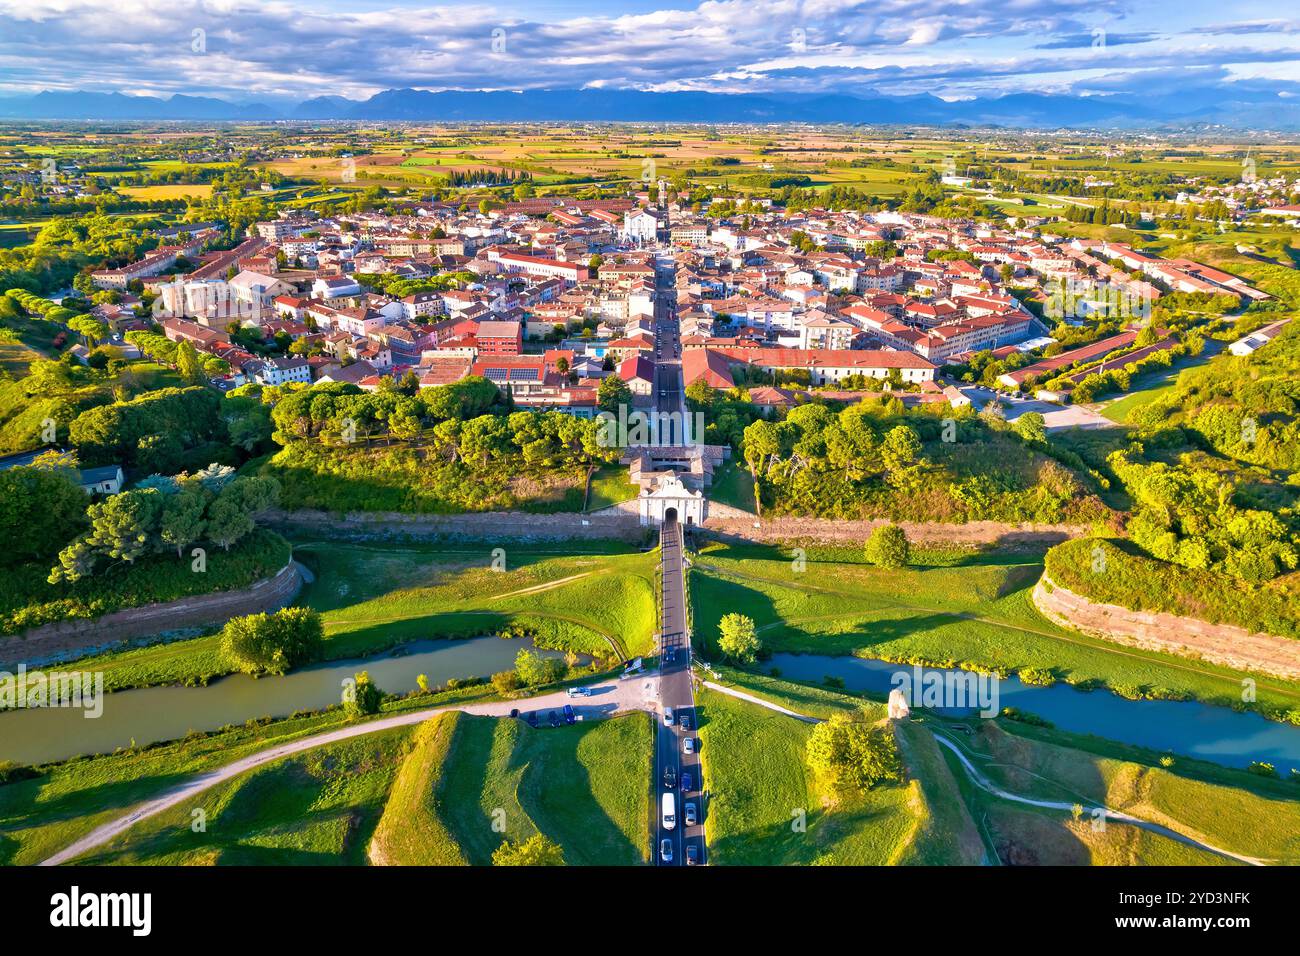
(671, 500)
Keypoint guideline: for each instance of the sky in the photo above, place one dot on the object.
(289, 50)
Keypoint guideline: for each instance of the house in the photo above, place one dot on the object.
(107, 480)
(335, 287)
(278, 371)
(638, 372)
(1257, 339)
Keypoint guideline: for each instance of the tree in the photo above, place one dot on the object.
(40, 511)
(187, 364)
(273, 643)
(182, 518)
(122, 526)
(888, 547)
(849, 752)
(537, 850)
(738, 638)
(534, 669)
(901, 447)
(363, 698)
(612, 393)
(1032, 427)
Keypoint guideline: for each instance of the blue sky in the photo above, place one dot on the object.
(292, 49)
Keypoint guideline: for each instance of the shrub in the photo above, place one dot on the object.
(273, 643)
(363, 697)
(888, 547)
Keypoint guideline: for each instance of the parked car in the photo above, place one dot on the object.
(692, 854)
(691, 818)
(687, 781)
(532, 718)
(666, 850)
(668, 716)
(555, 718)
(688, 745)
(568, 714)
(514, 711)
(670, 777)
(685, 721)
(579, 691)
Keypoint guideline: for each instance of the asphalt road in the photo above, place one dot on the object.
(677, 696)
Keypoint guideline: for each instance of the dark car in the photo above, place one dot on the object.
(555, 718)
(514, 711)
(685, 721)
(569, 716)
(686, 782)
(670, 777)
(532, 718)
(692, 854)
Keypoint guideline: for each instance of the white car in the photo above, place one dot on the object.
(668, 716)
(688, 745)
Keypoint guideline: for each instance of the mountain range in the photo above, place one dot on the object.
(1190, 107)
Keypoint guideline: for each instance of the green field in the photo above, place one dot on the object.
(424, 795)
(584, 786)
(975, 613)
(765, 808)
(374, 597)
(1231, 809)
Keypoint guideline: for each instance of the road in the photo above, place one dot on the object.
(606, 699)
(673, 766)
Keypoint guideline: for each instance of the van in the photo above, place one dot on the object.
(668, 810)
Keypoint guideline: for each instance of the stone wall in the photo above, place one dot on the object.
(64, 639)
(488, 525)
(726, 523)
(1223, 644)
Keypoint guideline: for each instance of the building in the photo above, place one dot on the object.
(101, 481)
(500, 338)
(671, 501)
(278, 371)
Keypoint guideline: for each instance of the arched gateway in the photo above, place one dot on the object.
(669, 500)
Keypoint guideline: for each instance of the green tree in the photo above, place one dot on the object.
(850, 753)
(612, 393)
(537, 850)
(1032, 427)
(363, 698)
(273, 643)
(888, 547)
(534, 669)
(738, 638)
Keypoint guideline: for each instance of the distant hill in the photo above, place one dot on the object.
(1211, 106)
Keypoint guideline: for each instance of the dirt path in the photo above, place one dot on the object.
(607, 699)
(977, 778)
(557, 583)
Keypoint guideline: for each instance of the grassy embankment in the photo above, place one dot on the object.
(373, 597)
(973, 610)
(423, 795)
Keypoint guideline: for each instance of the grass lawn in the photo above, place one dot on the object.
(69, 799)
(1232, 809)
(609, 486)
(734, 486)
(585, 786)
(766, 809)
(976, 613)
(312, 809)
(374, 597)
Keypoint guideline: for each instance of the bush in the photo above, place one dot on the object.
(851, 753)
(888, 547)
(273, 643)
(738, 639)
(363, 698)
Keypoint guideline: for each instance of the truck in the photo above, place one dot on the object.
(668, 810)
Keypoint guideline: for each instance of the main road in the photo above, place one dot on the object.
(676, 771)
